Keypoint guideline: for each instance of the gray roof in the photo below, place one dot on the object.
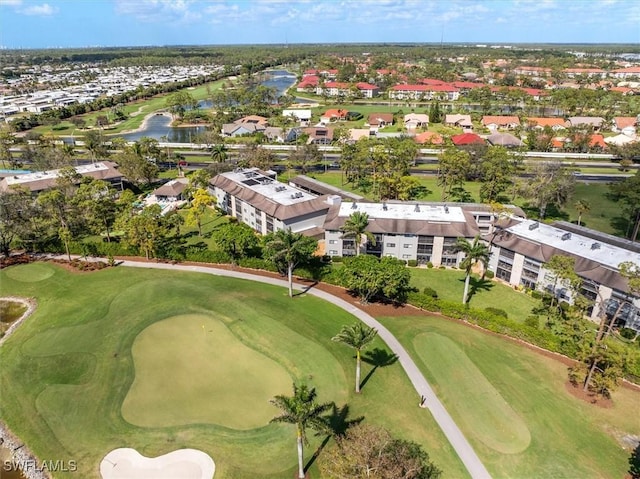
(173, 188)
(268, 205)
(595, 121)
(504, 139)
(43, 180)
(318, 187)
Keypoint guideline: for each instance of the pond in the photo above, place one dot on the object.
(158, 126)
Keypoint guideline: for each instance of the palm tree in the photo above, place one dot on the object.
(474, 252)
(357, 336)
(302, 410)
(582, 206)
(287, 249)
(356, 227)
(219, 153)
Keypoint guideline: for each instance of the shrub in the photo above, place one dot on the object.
(429, 264)
(336, 259)
(497, 312)
(257, 263)
(432, 293)
(535, 294)
(489, 274)
(442, 267)
(412, 263)
(532, 321)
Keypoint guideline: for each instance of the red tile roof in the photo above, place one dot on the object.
(466, 139)
(597, 140)
(500, 120)
(540, 121)
(336, 84)
(624, 121)
(429, 137)
(335, 113)
(366, 86)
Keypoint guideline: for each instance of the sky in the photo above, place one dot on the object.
(82, 23)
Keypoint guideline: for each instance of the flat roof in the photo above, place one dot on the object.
(266, 186)
(575, 244)
(52, 174)
(406, 211)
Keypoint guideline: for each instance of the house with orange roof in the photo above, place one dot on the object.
(504, 122)
(597, 141)
(308, 83)
(626, 124)
(380, 120)
(625, 90)
(540, 122)
(429, 138)
(333, 115)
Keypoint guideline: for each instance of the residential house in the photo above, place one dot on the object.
(319, 135)
(459, 121)
(308, 84)
(594, 122)
(625, 125)
(356, 134)
(302, 116)
(467, 139)
(504, 139)
(429, 138)
(540, 122)
(333, 115)
(380, 120)
(413, 121)
(500, 122)
(240, 129)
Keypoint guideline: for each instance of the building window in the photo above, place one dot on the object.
(406, 256)
(333, 241)
(333, 252)
(407, 245)
(390, 245)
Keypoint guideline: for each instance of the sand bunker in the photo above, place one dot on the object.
(127, 463)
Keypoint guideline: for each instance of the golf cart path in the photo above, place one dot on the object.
(460, 444)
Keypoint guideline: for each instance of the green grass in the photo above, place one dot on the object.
(512, 405)
(449, 284)
(68, 369)
(215, 379)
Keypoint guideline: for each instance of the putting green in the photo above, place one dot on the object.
(476, 401)
(192, 369)
(31, 273)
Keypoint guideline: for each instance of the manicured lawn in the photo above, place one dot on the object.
(511, 403)
(75, 376)
(449, 284)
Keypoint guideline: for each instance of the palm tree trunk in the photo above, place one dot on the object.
(66, 247)
(300, 456)
(579, 218)
(290, 278)
(466, 288)
(358, 368)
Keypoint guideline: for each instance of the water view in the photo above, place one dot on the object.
(159, 126)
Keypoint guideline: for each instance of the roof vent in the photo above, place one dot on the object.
(354, 206)
(595, 246)
(384, 207)
(417, 209)
(446, 209)
(566, 236)
(534, 226)
(293, 196)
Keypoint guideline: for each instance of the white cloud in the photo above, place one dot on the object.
(170, 11)
(10, 3)
(43, 10)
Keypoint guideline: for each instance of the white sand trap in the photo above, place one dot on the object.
(127, 463)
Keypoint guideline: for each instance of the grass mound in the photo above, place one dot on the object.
(31, 273)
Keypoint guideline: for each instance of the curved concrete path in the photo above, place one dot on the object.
(460, 444)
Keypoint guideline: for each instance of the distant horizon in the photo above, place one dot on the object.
(55, 24)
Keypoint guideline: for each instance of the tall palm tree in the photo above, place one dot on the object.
(304, 412)
(356, 227)
(287, 249)
(358, 336)
(219, 153)
(582, 206)
(475, 252)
